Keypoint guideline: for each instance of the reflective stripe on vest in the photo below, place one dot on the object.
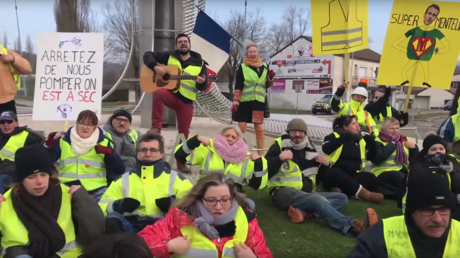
(289, 174)
(389, 164)
(14, 233)
(336, 154)
(202, 247)
(254, 86)
(14, 143)
(16, 76)
(187, 87)
(133, 135)
(379, 119)
(88, 168)
(126, 189)
(399, 244)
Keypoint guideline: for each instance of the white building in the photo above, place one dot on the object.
(302, 79)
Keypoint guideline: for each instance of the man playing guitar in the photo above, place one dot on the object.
(180, 100)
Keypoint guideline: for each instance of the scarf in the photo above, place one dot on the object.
(39, 216)
(440, 160)
(82, 146)
(205, 221)
(235, 153)
(401, 155)
(256, 62)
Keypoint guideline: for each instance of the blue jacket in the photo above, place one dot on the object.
(447, 130)
(113, 164)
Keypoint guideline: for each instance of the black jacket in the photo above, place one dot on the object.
(151, 59)
(273, 153)
(383, 152)
(7, 166)
(371, 243)
(419, 168)
(380, 107)
(350, 158)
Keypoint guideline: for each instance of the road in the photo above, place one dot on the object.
(23, 110)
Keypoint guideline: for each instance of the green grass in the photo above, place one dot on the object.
(312, 238)
(431, 115)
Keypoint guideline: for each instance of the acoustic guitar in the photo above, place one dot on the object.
(150, 81)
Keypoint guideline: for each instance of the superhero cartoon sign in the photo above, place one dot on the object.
(339, 26)
(421, 45)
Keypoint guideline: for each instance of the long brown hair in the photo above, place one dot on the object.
(188, 203)
(16, 188)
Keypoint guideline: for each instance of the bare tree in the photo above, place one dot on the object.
(74, 16)
(29, 45)
(5, 40)
(295, 23)
(17, 45)
(240, 28)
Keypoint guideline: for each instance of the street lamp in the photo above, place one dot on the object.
(19, 30)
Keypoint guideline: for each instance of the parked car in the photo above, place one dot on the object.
(323, 105)
(448, 105)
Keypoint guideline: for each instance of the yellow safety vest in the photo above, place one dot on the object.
(363, 117)
(16, 76)
(88, 168)
(404, 199)
(254, 86)
(379, 119)
(210, 161)
(146, 189)
(15, 234)
(201, 246)
(455, 123)
(187, 87)
(289, 174)
(399, 244)
(14, 143)
(389, 164)
(344, 30)
(336, 154)
(133, 134)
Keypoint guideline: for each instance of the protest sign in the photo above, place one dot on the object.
(69, 75)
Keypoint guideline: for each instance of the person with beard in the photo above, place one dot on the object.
(292, 185)
(433, 159)
(42, 218)
(144, 195)
(426, 230)
(380, 109)
(249, 102)
(124, 139)
(180, 100)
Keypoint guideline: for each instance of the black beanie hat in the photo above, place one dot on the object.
(429, 189)
(431, 140)
(122, 112)
(32, 159)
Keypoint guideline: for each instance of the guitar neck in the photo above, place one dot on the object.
(183, 77)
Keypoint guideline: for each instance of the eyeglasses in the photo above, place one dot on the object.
(152, 150)
(84, 125)
(8, 122)
(430, 211)
(119, 120)
(214, 202)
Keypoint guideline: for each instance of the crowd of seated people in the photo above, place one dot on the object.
(90, 197)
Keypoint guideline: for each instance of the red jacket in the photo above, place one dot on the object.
(157, 235)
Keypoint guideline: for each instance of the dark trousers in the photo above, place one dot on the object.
(349, 182)
(8, 106)
(390, 184)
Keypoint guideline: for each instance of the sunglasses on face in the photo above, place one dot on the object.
(8, 122)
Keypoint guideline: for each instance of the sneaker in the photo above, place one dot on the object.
(359, 227)
(297, 215)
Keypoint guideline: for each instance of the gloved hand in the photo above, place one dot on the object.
(403, 139)
(368, 138)
(236, 101)
(235, 106)
(164, 203)
(126, 205)
(404, 118)
(387, 93)
(356, 136)
(271, 75)
(103, 150)
(50, 141)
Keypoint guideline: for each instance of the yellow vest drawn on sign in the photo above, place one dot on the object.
(341, 25)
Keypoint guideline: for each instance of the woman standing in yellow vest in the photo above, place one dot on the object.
(347, 149)
(213, 220)
(391, 159)
(252, 80)
(39, 217)
(227, 153)
(85, 155)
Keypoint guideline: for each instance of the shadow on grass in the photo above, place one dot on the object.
(312, 238)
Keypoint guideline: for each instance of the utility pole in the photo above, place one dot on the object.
(245, 12)
(19, 30)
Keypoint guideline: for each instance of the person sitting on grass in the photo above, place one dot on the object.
(391, 160)
(212, 220)
(227, 153)
(123, 245)
(292, 184)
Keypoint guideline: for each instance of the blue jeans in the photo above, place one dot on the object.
(126, 225)
(97, 193)
(5, 181)
(251, 204)
(323, 205)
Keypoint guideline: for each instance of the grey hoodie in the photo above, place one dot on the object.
(124, 145)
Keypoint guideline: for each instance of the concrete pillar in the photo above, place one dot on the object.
(145, 12)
